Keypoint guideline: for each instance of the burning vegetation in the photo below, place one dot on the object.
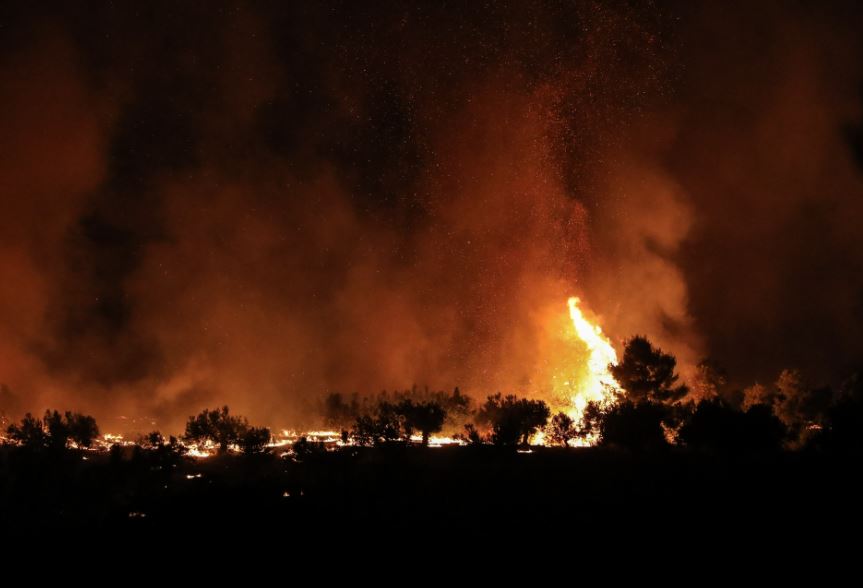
(232, 238)
(628, 424)
(637, 403)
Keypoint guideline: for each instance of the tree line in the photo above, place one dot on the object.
(655, 411)
(217, 427)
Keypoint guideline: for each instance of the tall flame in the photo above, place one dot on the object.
(598, 384)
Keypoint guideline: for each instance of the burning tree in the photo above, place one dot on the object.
(648, 405)
(647, 374)
(425, 417)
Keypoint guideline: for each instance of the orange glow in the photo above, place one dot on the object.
(581, 374)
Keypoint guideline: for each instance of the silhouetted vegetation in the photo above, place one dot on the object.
(254, 440)
(364, 432)
(512, 419)
(714, 425)
(658, 444)
(371, 419)
(471, 435)
(389, 422)
(54, 430)
(652, 413)
(166, 453)
(222, 429)
(30, 433)
(425, 417)
(648, 374)
(562, 429)
(630, 425)
(722, 452)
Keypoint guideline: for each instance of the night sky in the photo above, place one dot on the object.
(257, 203)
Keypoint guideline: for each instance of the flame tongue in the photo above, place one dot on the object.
(599, 385)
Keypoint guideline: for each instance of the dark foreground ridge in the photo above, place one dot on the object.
(462, 494)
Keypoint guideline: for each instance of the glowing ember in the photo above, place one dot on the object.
(538, 438)
(202, 450)
(109, 439)
(435, 441)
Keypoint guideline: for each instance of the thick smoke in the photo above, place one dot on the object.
(257, 206)
(52, 156)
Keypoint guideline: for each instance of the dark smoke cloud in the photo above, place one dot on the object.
(255, 204)
(52, 156)
(773, 260)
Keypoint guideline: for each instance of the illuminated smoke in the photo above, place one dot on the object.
(268, 207)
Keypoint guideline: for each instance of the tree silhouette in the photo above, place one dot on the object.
(217, 426)
(512, 419)
(715, 425)
(647, 374)
(82, 429)
(152, 440)
(55, 430)
(30, 433)
(562, 428)
(254, 440)
(166, 454)
(388, 424)
(364, 431)
(628, 424)
(471, 435)
(425, 417)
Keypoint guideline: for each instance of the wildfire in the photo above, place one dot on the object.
(596, 383)
(438, 441)
(576, 380)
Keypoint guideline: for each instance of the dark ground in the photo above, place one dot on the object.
(462, 495)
